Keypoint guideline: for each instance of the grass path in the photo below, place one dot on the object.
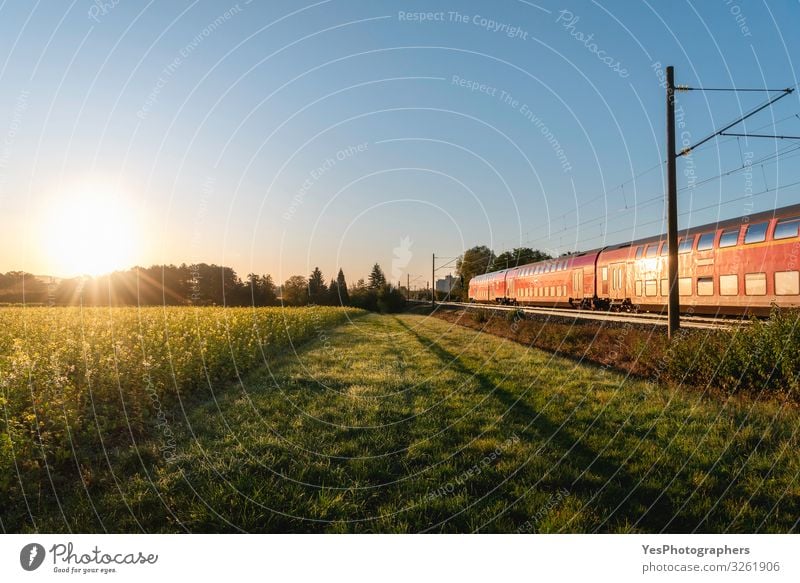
(407, 424)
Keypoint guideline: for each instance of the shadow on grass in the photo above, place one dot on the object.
(602, 484)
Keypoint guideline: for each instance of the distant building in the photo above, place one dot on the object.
(448, 284)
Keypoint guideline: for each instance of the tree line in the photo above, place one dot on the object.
(200, 285)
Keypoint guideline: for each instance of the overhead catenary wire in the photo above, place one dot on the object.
(781, 154)
(643, 173)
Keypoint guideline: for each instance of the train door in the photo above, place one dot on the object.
(618, 278)
(577, 283)
(603, 281)
(630, 276)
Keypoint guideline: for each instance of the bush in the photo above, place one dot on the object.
(516, 315)
(764, 355)
(386, 299)
(480, 315)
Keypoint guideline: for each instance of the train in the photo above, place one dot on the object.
(745, 265)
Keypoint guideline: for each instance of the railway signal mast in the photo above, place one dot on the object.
(673, 305)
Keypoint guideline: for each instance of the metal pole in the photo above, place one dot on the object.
(433, 281)
(674, 315)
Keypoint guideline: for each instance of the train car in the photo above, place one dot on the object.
(544, 283)
(743, 265)
(738, 266)
(489, 287)
(564, 281)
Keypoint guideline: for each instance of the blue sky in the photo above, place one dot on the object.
(277, 136)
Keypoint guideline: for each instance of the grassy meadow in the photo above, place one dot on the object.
(391, 423)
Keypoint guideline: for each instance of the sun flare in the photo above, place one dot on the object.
(90, 231)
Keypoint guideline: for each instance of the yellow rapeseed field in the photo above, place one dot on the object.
(90, 376)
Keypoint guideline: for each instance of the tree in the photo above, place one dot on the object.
(376, 277)
(260, 290)
(337, 291)
(268, 292)
(518, 256)
(473, 262)
(317, 290)
(390, 299)
(295, 291)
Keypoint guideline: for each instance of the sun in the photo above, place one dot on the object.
(90, 231)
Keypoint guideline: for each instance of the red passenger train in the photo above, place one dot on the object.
(742, 265)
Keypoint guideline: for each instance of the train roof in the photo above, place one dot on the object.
(782, 212)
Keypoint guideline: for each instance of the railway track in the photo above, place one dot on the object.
(643, 318)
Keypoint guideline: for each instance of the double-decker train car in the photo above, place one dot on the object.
(742, 265)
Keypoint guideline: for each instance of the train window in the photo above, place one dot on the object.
(685, 286)
(650, 287)
(685, 244)
(638, 287)
(756, 233)
(787, 283)
(664, 287)
(652, 251)
(729, 238)
(755, 284)
(639, 251)
(705, 242)
(729, 285)
(786, 228)
(705, 286)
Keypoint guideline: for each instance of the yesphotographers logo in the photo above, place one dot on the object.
(31, 556)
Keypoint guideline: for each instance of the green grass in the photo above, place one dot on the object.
(408, 424)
